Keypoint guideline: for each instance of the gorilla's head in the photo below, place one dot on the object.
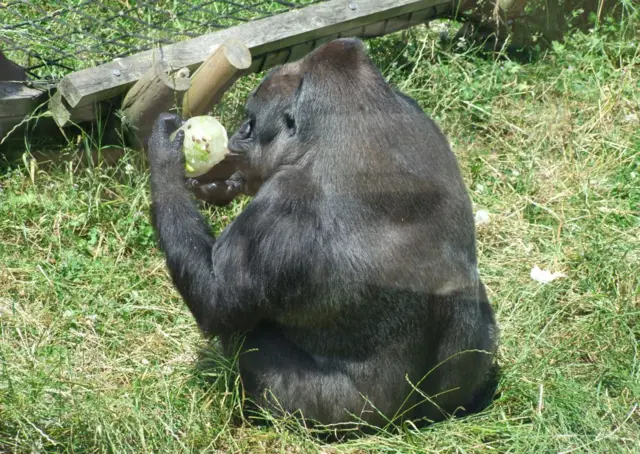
(304, 111)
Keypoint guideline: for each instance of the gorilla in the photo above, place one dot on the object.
(351, 276)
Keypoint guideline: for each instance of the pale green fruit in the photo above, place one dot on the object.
(205, 144)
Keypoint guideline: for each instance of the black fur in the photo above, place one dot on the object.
(352, 272)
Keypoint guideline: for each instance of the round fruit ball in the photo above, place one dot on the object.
(205, 144)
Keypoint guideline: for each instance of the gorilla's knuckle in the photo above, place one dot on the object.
(167, 121)
(168, 116)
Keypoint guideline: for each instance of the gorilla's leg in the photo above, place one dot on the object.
(281, 378)
(465, 354)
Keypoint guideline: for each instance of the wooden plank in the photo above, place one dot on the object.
(273, 59)
(16, 102)
(261, 37)
(300, 50)
(419, 17)
(18, 99)
(12, 131)
(7, 124)
(215, 76)
(156, 92)
(11, 127)
(366, 31)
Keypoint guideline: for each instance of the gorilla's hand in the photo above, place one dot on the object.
(218, 193)
(165, 156)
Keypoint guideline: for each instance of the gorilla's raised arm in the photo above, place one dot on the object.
(225, 282)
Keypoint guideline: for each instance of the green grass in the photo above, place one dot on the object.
(98, 352)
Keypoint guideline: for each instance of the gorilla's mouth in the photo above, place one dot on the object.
(235, 155)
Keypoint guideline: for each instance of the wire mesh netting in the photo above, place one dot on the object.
(51, 38)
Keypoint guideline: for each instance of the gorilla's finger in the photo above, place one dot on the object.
(191, 183)
(178, 140)
(209, 191)
(234, 186)
(167, 122)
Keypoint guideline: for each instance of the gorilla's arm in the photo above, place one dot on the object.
(211, 276)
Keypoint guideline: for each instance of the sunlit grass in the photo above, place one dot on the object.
(98, 353)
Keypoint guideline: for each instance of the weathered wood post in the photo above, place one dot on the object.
(157, 91)
(218, 72)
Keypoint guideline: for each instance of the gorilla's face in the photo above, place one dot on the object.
(304, 111)
(268, 136)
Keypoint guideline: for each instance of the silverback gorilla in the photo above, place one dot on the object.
(351, 275)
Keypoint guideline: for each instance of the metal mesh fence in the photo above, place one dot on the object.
(51, 38)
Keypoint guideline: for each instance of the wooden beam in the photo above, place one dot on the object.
(17, 100)
(156, 92)
(262, 37)
(214, 76)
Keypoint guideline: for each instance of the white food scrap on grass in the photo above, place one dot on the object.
(482, 217)
(544, 276)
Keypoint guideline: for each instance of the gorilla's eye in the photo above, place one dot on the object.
(247, 127)
(289, 121)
